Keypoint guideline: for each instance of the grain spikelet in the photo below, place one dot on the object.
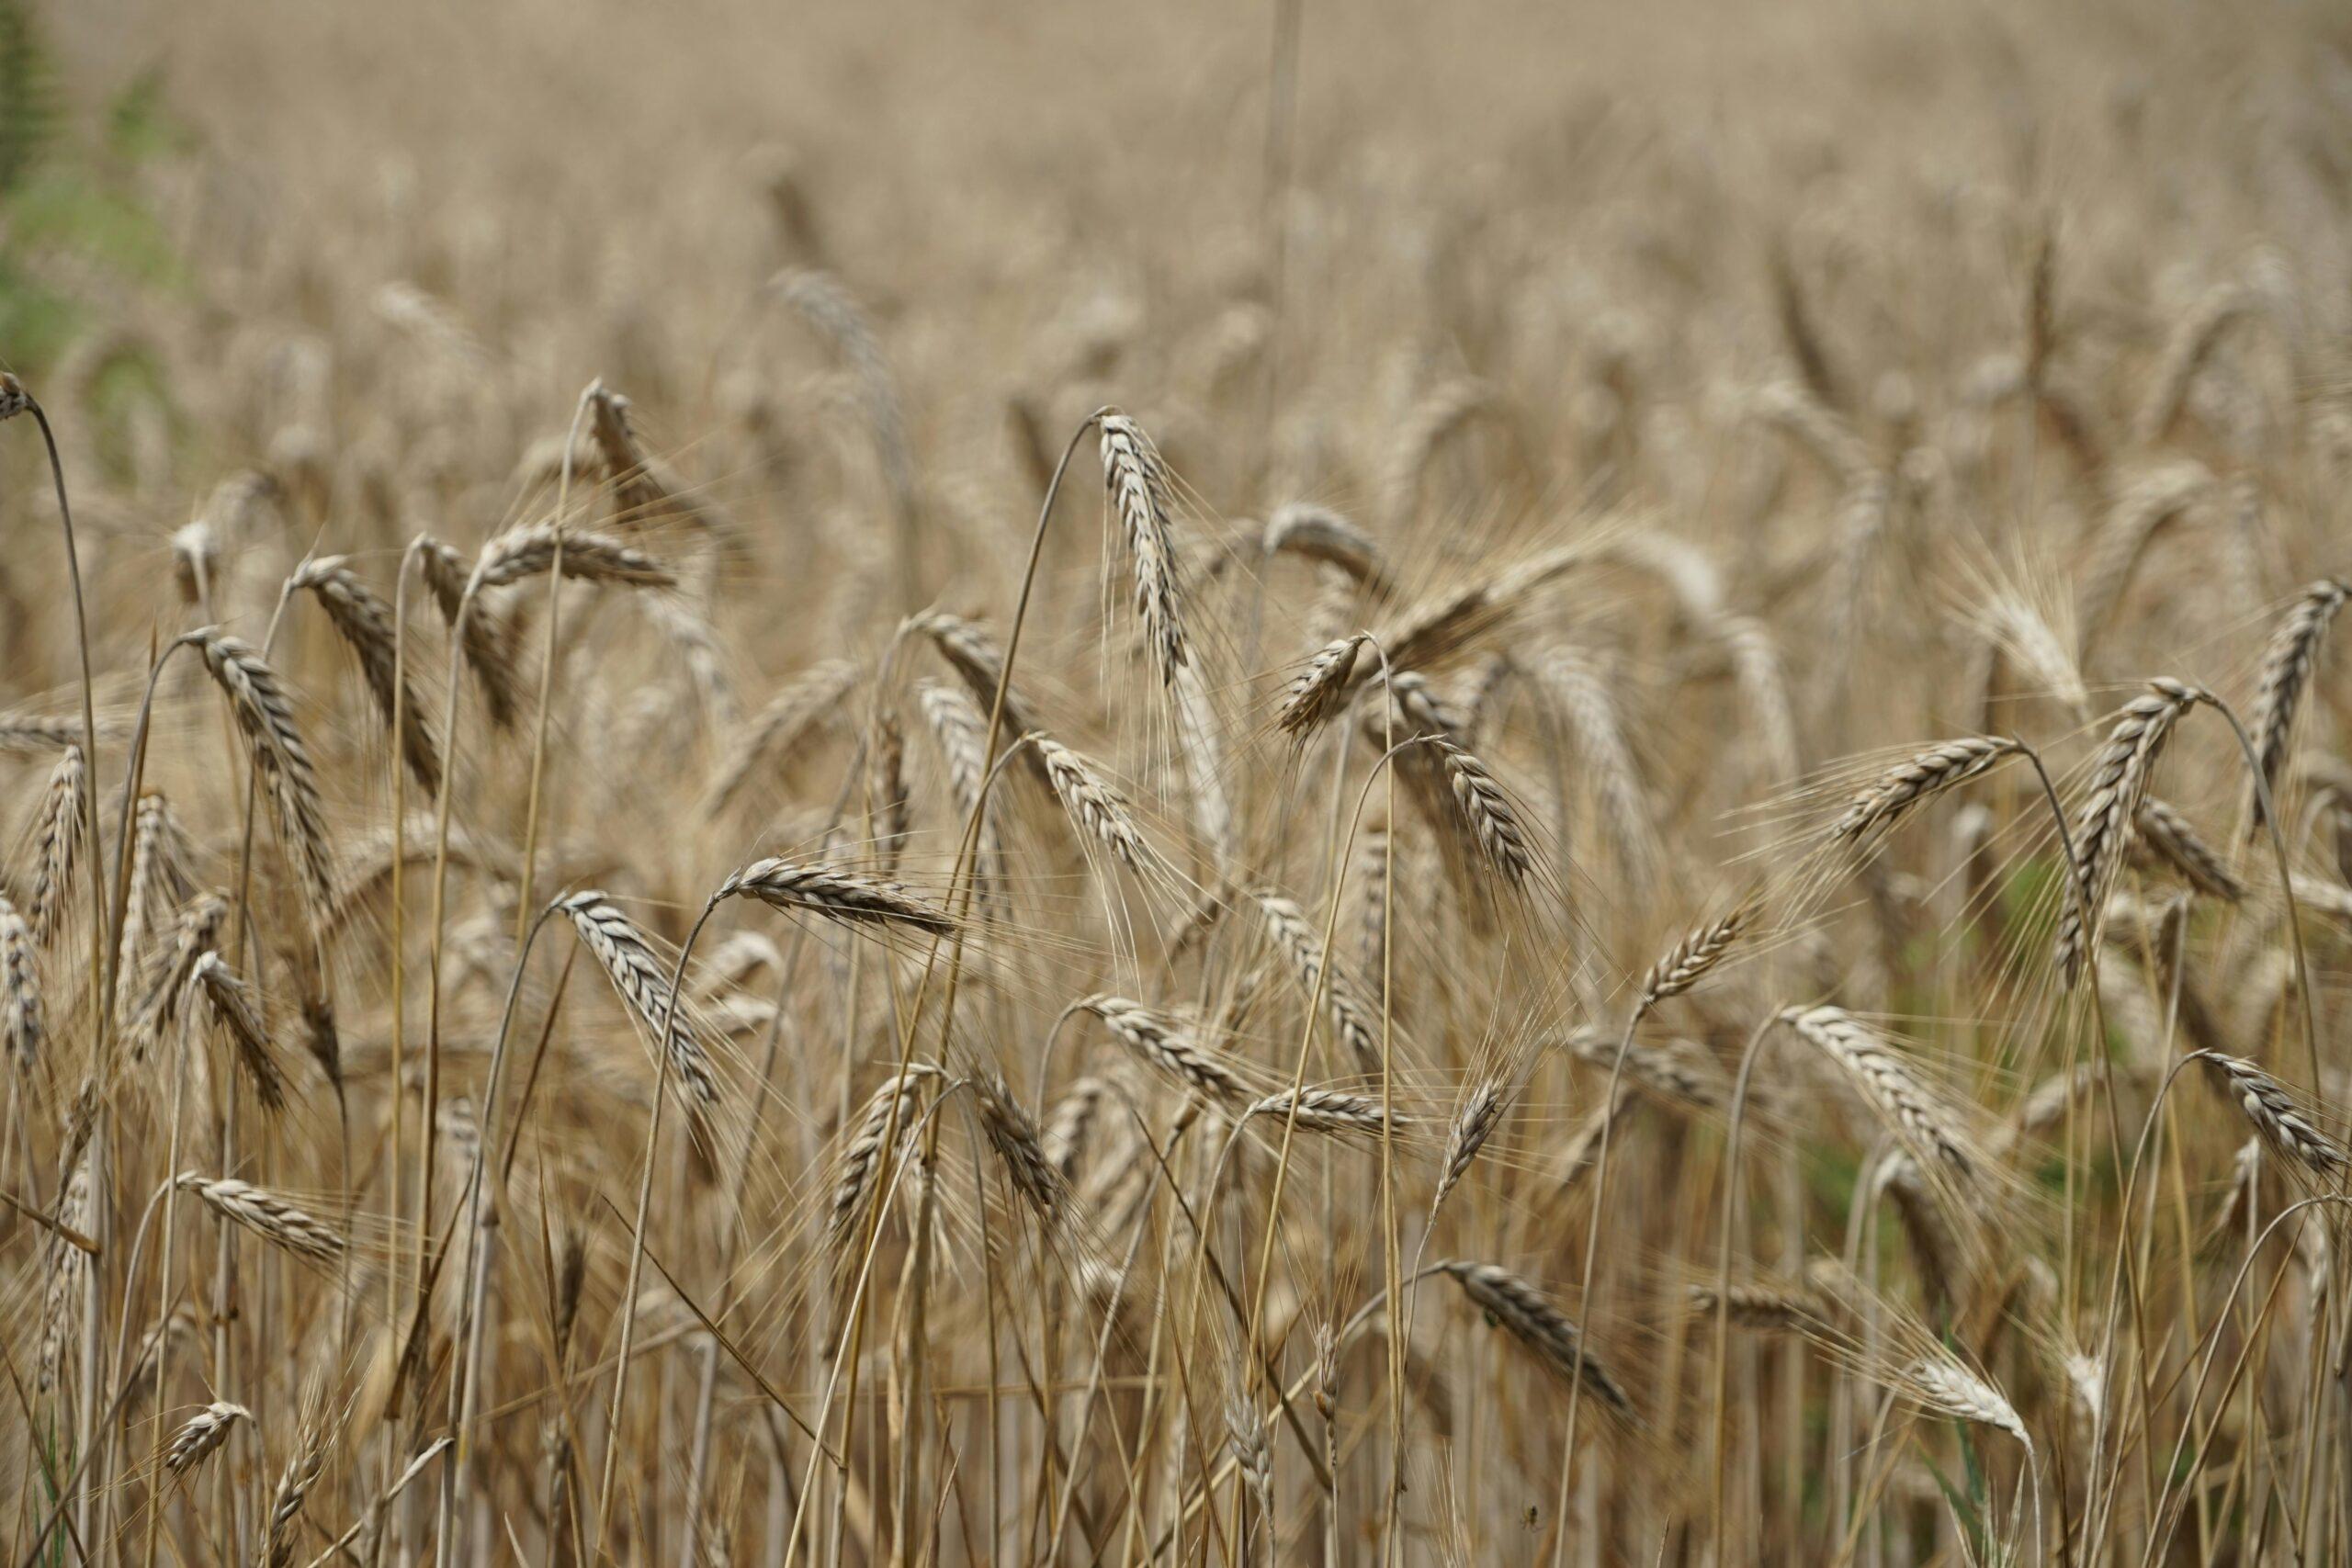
(303, 1468)
(588, 556)
(1099, 811)
(960, 730)
(2150, 503)
(1322, 534)
(1330, 1111)
(66, 1270)
(1689, 960)
(1583, 691)
(1489, 817)
(1013, 1136)
(1942, 1384)
(163, 980)
(863, 1152)
(2175, 840)
(1474, 1121)
(1070, 1124)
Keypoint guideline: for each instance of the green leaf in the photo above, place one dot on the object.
(28, 99)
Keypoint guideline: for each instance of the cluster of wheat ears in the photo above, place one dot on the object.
(1427, 1031)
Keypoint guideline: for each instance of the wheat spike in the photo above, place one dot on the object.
(2275, 1115)
(489, 642)
(1534, 1321)
(2120, 777)
(1099, 812)
(290, 784)
(365, 622)
(266, 1215)
(21, 1028)
(835, 893)
(1170, 1047)
(1354, 1018)
(1889, 1086)
(2286, 670)
(59, 843)
(232, 1008)
(643, 984)
(205, 1432)
(1137, 486)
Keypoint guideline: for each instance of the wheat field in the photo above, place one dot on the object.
(1250, 783)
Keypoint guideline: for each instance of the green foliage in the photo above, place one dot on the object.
(28, 97)
(64, 211)
(71, 207)
(36, 322)
(138, 124)
(1968, 1507)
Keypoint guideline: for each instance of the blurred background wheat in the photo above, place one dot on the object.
(1238, 782)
